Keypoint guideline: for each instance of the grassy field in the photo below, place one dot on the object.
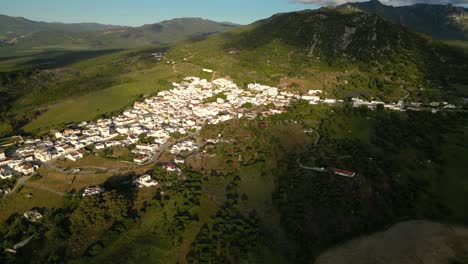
(68, 182)
(352, 127)
(96, 103)
(92, 161)
(18, 202)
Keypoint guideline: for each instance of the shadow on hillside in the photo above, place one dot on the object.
(122, 183)
(55, 59)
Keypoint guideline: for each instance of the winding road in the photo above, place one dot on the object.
(315, 144)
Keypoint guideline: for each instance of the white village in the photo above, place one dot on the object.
(182, 110)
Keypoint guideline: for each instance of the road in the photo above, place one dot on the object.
(315, 144)
(22, 181)
(19, 183)
(153, 160)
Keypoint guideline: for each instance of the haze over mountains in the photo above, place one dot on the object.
(24, 33)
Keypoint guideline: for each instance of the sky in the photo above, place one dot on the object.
(139, 12)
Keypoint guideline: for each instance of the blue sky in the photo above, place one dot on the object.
(138, 12)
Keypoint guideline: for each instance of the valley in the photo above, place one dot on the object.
(333, 135)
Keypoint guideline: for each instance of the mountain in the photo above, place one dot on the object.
(180, 28)
(444, 22)
(26, 34)
(297, 43)
(16, 26)
(257, 200)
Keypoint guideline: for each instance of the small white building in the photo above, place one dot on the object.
(170, 167)
(179, 160)
(74, 156)
(94, 190)
(99, 146)
(33, 215)
(140, 159)
(145, 181)
(5, 174)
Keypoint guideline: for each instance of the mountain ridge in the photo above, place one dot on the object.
(24, 33)
(442, 22)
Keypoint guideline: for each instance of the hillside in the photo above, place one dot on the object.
(24, 35)
(11, 27)
(257, 189)
(343, 53)
(339, 51)
(443, 22)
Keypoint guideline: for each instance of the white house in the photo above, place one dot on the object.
(25, 168)
(145, 181)
(95, 190)
(33, 215)
(140, 159)
(170, 167)
(74, 156)
(5, 174)
(179, 160)
(99, 146)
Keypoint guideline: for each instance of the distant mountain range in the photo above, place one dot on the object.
(11, 27)
(25, 33)
(443, 22)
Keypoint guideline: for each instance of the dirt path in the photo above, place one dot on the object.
(298, 161)
(19, 183)
(122, 170)
(43, 188)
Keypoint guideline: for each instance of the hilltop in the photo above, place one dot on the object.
(444, 22)
(343, 53)
(26, 35)
(11, 27)
(236, 171)
(340, 51)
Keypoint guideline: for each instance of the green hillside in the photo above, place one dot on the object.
(444, 22)
(343, 53)
(22, 36)
(252, 197)
(11, 27)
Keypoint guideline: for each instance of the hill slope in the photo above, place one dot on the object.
(345, 54)
(445, 22)
(11, 27)
(304, 44)
(24, 34)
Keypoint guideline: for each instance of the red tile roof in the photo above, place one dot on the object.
(342, 172)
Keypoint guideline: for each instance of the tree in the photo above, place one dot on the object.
(98, 211)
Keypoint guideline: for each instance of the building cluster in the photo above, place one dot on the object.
(182, 110)
(401, 105)
(187, 145)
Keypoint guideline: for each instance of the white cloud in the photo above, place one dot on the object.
(386, 2)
